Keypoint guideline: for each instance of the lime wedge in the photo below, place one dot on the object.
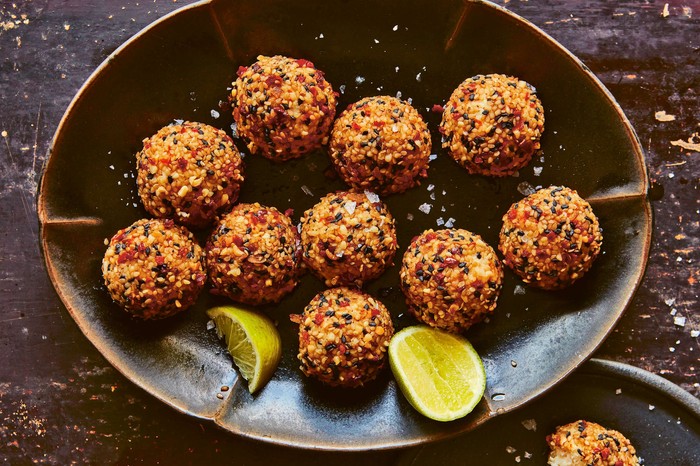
(439, 373)
(252, 340)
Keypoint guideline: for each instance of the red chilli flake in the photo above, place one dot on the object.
(274, 81)
(304, 63)
(375, 311)
(181, 163)
(241, 70)
(355, 126)
(437, 108)
(289, 212)
(318, 318)
(125, 256)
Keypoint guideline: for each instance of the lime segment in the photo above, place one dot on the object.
(252, 340)
(439, 373)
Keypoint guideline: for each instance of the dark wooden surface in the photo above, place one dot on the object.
(62, 403)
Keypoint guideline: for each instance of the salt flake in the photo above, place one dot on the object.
(679, 321)
(425, 208)
(440, 221)
(371, 197)
(359, 79)
(350, 206)
(450, 222)
(215, 114)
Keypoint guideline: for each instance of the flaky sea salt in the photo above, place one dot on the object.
(395, 28)
(525, 188)
(371, 197)
(519, 290)
(210, 325)
(450, 222)
(215, 114)
(350, 206)
(695, 333)
(670, 301)
(342, 88)
(537, 170)
(425, 208)
(652, 407)
(432, 157)
(618, 391)
(440, 221)
(359, 79)
(510, 449)
(418, 77)
(409, 216)
(431, 187)
(306, 190)
(234, 130)
(679, 321)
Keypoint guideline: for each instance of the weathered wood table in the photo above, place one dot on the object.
(62, 403)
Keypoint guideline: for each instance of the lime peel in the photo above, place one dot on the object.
(439, 373)
(252, 341)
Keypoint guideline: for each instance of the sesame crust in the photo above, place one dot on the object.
(347, 239)
(381, 144)
(550, 238)
(153, 269)
(583, 443)
(188, 172)
(253, 255)
(451, 279)
(492, 124)
(343, 337)
(283, 107)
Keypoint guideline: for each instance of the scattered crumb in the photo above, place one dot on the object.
(306, 190)
(652, 407)
(663, 116)
(66, 26)
(4, 134)
(618, 391)
(664, 12)
(510, 449)
(679, 321)
(692, 144)
(519, 290)
(695, 333)
(530, 424)
(409, 216)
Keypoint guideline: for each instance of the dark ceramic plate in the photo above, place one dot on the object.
(661, 420)
(180, 67)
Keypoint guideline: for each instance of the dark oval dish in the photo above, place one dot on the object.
(180, 68)
(659, 418)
